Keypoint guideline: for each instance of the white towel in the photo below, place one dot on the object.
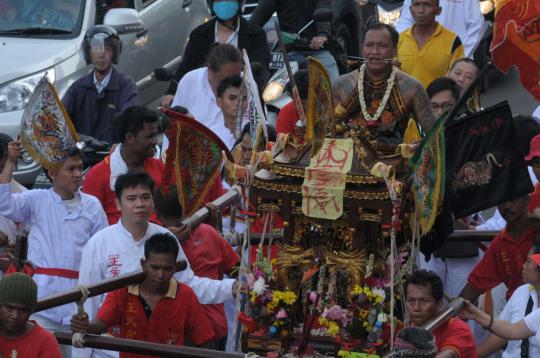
(118, 166)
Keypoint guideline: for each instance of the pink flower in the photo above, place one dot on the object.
(336, 313)
(250, 280)
(281, 314)
(257, 273)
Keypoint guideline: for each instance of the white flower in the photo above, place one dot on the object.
(259, 286)
(379, 292)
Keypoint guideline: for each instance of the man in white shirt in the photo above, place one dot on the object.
(61, 219)
(460, 16)
(117, 249)
(198, 89)
(524, 300)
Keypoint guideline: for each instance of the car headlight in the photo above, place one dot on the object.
(486, 6)
(275, 88)
(389, 17)
(15, 95)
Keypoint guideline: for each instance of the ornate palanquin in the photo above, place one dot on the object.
(350, 254)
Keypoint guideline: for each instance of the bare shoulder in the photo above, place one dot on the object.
(416, 99)
(344, 85)
(408, 84)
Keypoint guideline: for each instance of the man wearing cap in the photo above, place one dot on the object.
(523, 301)
(20, 337)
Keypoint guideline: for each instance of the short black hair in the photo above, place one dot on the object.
(4, 141)
(132, 120)
(442, 84)
(223, 54)
(466, 60)
(426, 278)
(161, 243)
(272, 134)
(131, 180)
(228, 82)
(301, 79)
(526, 129)
(394, 35)
(167, 204)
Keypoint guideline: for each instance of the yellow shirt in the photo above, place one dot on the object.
(434, 59)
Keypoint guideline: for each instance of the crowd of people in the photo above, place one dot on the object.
(123, 216)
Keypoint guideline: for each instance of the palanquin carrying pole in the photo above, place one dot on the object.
(96, 289)
(141, 347)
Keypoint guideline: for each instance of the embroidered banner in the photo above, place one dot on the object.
(325, 179)
(195, 153)
(320, 105)
(46, 130)
(484, 164)
(428, 176)
(516, 41)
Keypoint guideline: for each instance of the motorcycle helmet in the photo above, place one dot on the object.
(99, 36)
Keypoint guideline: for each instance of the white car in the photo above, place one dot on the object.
(46, 36)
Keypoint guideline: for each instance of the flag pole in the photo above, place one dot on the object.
(294, 89)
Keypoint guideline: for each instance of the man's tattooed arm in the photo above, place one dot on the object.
(417, 100)
(343, 87)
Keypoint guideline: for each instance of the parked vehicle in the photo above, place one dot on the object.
(34, 42)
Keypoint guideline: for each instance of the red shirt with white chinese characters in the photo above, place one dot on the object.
(177, 316)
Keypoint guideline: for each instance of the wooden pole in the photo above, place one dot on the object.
(142, 347)
(230, 197)
(451, 310)
(472, 235)
(75, 294)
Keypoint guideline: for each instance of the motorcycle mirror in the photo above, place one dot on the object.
(323, 15)
(163, 74)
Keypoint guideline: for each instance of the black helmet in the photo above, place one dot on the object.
(109, 36)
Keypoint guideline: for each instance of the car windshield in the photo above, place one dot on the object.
(40, 17)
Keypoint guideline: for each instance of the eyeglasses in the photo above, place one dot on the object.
(443, 107)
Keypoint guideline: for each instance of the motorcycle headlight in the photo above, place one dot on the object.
(486, 6)
(15, 95)
(273, 91)
(275, 88)
(389, 17)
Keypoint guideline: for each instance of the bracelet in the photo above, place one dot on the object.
(491, 320)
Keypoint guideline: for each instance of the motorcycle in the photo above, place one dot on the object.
(274, 95)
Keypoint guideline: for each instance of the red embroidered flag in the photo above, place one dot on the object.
(516, 41)
(195, 156)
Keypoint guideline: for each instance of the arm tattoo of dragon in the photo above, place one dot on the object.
(417, 101)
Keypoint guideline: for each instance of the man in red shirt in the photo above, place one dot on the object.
(505, 256)
(138, 127)
(207, 251)
(288, 117)
(159, 310)
(20, 337)
(424, 300)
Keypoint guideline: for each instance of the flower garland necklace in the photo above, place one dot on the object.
(389, 86)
